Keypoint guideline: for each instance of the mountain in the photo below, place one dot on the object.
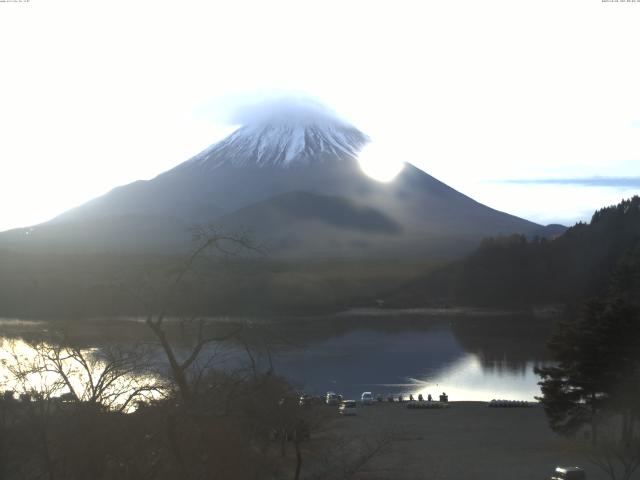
(292, 179)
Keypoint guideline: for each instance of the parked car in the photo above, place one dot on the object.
(332, 398)
(306, 400)
(367, 398)
(568, 473)
(348, 407)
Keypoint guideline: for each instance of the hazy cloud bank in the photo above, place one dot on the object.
(595, 181)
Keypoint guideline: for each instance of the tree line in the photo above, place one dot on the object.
(518, 271)
(593, 389)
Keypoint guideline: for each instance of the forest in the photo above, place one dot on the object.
(517, 271)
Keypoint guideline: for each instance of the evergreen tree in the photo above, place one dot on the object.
(598, 355)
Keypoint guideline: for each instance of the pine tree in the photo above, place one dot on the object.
(598, 355)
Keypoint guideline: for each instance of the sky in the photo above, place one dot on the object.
(529, 107)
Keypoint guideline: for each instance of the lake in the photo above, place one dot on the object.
(470, 357)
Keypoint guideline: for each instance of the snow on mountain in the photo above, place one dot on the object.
(283, 139)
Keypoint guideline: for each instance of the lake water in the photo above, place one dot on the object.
(477, 357)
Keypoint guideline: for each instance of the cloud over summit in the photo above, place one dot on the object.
(285, 109)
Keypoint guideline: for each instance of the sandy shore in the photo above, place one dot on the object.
(466, 441)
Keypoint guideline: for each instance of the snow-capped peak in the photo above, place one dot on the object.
(283, 136)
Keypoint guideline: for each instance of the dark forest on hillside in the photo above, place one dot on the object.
(517, 271)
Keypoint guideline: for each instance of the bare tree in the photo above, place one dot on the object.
(207, 241)
(113, 377)
(28, 378)
(618, 457)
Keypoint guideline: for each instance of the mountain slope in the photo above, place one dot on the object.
(288, 208)
(309, 152)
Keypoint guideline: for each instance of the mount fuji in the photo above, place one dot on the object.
(292, 179)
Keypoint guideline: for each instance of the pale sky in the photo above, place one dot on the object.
(490, 96)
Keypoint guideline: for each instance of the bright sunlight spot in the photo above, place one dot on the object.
(380, 163)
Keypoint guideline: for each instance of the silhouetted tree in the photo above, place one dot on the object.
(596, 356)
(161, 304)
(598, 361)
(617, 458)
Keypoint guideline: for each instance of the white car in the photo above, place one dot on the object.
(347, 407)
(568, 473)
(367, 398)
(332, 398)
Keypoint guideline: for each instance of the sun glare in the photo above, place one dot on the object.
(379, 163)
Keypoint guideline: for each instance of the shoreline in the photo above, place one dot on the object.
(355, 313)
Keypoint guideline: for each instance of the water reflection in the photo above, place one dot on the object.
(366, 358)
(469, 358)
(469, 379)
(506, 343)
(115, 377)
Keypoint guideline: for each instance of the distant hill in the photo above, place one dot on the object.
(515, 270)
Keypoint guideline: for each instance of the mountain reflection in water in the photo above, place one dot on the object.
(470, 358)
